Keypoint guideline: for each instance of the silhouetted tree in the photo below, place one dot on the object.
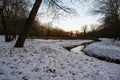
(111, 20)
(84, 29)
(2, 7)
(93, 30)
(12, 12)
(23, 35)
(16, 10)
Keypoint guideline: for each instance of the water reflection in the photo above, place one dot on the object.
(77, 49)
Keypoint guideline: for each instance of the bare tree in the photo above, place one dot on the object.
(84, 29)
(23, 35)
(93, 29)
(11, 12)
(54, 5)
(2, 7)
(15, 10)
(110, 9)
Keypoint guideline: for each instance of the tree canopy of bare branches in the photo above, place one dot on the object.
(56, 7)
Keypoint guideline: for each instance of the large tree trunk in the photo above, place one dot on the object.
(5, 28)
(27, 26)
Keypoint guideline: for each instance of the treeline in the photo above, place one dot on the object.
(97, 31)
(46, 30)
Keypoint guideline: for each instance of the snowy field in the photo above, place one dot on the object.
(48, 60)
(108, 48)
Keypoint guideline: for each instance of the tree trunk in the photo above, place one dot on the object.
(5, 28)
(27, 26)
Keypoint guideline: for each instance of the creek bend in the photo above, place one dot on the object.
(80, 48)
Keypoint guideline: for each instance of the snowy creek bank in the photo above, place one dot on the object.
(82, 48)
(106, 50)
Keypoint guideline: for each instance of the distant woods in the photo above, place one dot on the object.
(46, 31)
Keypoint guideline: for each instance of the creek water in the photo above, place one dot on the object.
(77, 49)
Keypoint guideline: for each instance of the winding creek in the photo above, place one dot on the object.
(78, 49)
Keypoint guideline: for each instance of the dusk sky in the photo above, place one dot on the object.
(75, 22)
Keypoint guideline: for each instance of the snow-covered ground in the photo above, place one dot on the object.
(48, 60)
(108, 48)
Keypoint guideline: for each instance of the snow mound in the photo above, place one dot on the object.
(108, 48)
